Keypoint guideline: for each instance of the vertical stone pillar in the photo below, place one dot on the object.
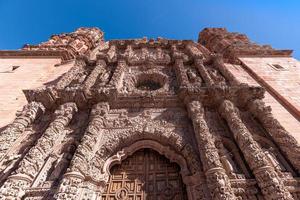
(180, 73)
(217, 180)
(269, 182)
(203, 71)
(68, 77)
(287, 143)
(29, 113)
(98, 71)
(219, 64)
(34, 160)
(71, 186)
(117, 78)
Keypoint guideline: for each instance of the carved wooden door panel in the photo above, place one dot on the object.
(146, 175)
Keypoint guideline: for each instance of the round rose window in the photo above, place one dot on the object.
(149, 82)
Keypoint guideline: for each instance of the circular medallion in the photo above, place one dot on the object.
(121, 194)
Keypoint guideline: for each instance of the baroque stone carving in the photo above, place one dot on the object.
(29, 113)
(267, 178)
(80, 42)
(217, 180)
(286, 142)
(172, 96)
(35, 158)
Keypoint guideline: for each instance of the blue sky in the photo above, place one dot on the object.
(275, 22)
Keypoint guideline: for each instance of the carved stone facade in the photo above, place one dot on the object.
(148, 119)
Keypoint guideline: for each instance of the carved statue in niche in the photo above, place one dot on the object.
(79, 79)
(103, 78)
(230, 163)
(60, 165)
(216, 76)
(275, 158)
(193, 76)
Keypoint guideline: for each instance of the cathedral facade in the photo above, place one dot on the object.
(156, 119)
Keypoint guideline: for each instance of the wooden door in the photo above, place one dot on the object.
(146, 175)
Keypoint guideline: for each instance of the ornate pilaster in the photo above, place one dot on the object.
(34, 160)
(29, 113)
(180, 73)
(217, 180)
(202, 70)
(285, 141)
(96, 73)
(117, 77)
(71, 185)
(219, 64)
(269, 182)
(68, 77)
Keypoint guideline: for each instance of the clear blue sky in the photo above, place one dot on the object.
(275, 22)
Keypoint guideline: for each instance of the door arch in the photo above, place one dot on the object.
(145, 175)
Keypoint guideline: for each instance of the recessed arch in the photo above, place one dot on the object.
(149, 166)
(151, 144)
(116, 142)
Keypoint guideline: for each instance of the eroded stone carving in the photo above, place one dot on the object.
(35, 158)
(268, 180)
(159, 94)
(217, 180)
(14, 130)
(286, 142)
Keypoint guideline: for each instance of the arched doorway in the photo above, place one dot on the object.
(145, 175)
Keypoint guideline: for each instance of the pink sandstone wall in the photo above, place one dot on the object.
(31, 73)
(284, 81)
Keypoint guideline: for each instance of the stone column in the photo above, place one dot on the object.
(217, 180)
(117, 78)
(271, 185)
(68, 77)
(203, 71)
(180, 73)
(98, 71)
(7, 137)
(287, 143)
(71, 186)
(34, 160)
(219, 64)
